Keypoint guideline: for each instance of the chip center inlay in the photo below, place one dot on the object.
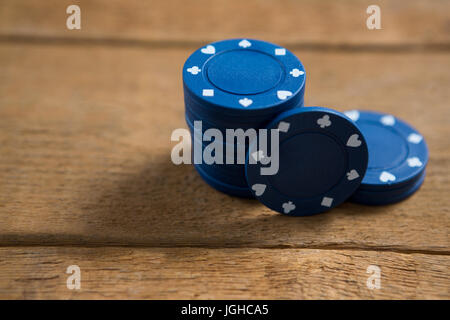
(300, 159)
(244, 72)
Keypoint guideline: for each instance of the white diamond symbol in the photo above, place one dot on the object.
(388, 120)
(283, 126)
(327, 202)
(280, 51)
(208, 92)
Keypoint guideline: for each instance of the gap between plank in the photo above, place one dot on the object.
(183, 44)
(330, 247)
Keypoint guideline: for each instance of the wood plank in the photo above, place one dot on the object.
(281, 21)
(189, 273)
(85, 153)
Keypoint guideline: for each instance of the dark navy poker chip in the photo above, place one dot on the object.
(398, 153)
(323, 157)
(243, 77)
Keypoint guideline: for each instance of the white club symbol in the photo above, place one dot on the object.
(288, 206)
(296, 73)
(387, 177)
(194, 70)
(324, 121)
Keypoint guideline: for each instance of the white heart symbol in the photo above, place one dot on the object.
(388, 120)
(352, 175)
(414, 162)
(327, 202)
(259, 189)
(386, 177)
(244, 44)
(324, 121)
(209, 49)
(245, 102)
(283, 126)
(353, 141)
(296, 72)
(415, 138)
(283, 94)
(288, 206)
(352, 114)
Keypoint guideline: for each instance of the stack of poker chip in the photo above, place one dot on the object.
(236, 84)
(324, 157)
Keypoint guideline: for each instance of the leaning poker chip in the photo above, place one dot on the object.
(322, 159)
(243, 77)
(398, 153)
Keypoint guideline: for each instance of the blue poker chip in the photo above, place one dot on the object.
(322, 159)
(242, 77)
(221, 186)
(370, 197)
(194, 112)
(398, 153)
(230, 149)
(232, 174)
(220, 175)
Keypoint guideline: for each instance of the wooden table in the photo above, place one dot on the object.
(85, 172)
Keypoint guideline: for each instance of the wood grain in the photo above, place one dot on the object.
(307, 22)
(189, 273)
(85, 153)
(85, 171)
